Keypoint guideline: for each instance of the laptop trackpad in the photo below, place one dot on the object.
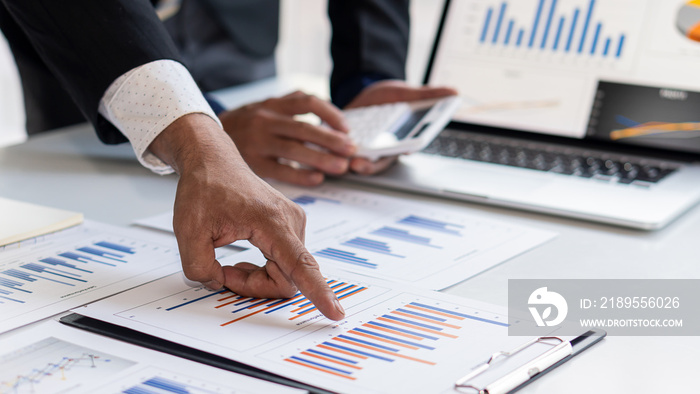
(486, 182)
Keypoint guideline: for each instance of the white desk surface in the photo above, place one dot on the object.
(71, 169)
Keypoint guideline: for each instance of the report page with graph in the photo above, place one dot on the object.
(538, 66)
(393, 238)
(50, 274)
(394, 338)
(55, 358)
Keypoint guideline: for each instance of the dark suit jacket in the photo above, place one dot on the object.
(81, 46)
(84, 45)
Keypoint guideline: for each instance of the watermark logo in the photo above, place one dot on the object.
(543, 297)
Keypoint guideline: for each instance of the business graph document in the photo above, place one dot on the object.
(53, 358)
(394, 338)
(421, 244)
(51, 274)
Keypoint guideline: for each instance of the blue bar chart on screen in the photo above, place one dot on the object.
(410, 242)
(557, 26)
(45, 276)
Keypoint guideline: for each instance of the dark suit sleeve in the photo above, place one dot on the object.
(88, 44)
(370, 42)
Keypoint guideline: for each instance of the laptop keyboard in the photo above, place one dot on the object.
(549, 158)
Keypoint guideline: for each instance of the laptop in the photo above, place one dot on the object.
(581, 108)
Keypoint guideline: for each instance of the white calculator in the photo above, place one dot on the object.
(404, 127)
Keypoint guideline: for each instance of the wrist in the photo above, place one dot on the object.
(192, 141)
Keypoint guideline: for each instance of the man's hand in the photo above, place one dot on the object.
(384, 92)
(219, 200)
(266, 132)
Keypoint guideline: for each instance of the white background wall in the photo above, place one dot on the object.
(304, 48)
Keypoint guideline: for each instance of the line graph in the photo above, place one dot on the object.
(56, 365)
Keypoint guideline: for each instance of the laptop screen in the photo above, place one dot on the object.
(626, 71)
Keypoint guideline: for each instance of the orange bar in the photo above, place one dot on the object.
(390, 331)
(302, 314)
(357, 292)
(228, 303)
(241, 300)
(435, 312)
(319, 369)
(330, 360)
(439, 323)
(383, 351)
(341, 351)
(226, 298)
(362, 334)
(419, 328)
(250, 314)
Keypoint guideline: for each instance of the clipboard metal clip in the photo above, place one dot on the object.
(560, 350)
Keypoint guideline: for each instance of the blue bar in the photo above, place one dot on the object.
(106, 255)
(403, 235)
(12, 299)
(387, 348)
(585, 26)
(41, 269)
(283, 306)
(117, 247)
(428, 326)
(548, 25)
(352, 292)
(559, 29)
(345, 257)
(572, 30)
(372, 246)
(403, 330)
(499, 23)
(509, 31)
(351, 350)
(167, 385)
(436, 225)
(308, 200)
(595, 38)
(77, 257)
(19, 275)
(196, 299)
(335, 292)
(521, 33)
(345, 360)
(535, 24)
(55, 261)
(138, 390)
(619, 46)
(498, 323)
(11, 284)
(607, 47)
(423, 315)
(389, 337)
(320, 365)
(487, 22)
(253, 305)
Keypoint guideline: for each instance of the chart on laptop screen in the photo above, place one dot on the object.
(534, 65)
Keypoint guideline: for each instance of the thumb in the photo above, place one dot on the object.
(199, 260)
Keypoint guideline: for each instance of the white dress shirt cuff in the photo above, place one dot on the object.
(146, 100)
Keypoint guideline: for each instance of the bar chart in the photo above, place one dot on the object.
(390, 238)
(394, 338)
(35, 280)
(221, 313)
(568, 27)
(407, 334)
